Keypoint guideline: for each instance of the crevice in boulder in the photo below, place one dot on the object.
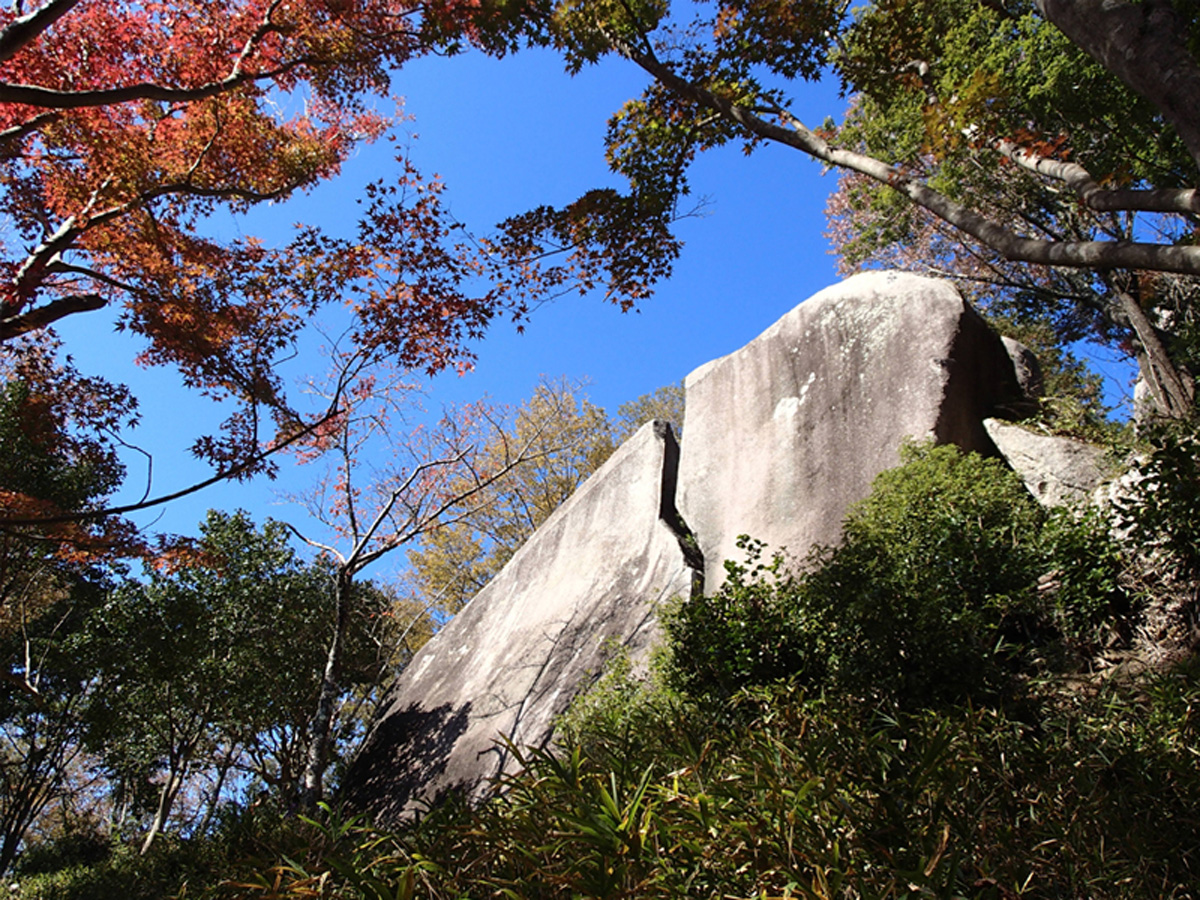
(669, 513)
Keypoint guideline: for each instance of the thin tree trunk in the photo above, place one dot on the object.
(321, 724)
(166, 799)
(226, 765)
(1171, 390)
(20, 814)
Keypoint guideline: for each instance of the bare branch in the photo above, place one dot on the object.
(359, 557)
(42, 316)
(22, 30)
(231, 473)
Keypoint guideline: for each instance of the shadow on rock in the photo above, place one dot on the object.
(408, 749)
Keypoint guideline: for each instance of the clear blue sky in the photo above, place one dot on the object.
(506, 136)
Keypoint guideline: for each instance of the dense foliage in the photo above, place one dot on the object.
(149, 706)
(1090, 794)
(933, 595)
(910, 715)
(1086, 795)
(1162, 506)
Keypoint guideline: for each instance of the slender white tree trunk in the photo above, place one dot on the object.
(321, 724)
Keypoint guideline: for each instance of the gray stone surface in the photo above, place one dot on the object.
(1058, 471)
(511, 661)
(1029, 377)
(784, 434)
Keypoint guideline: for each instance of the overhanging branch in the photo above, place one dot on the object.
(43, 316)
(233, 472)
(50, 98)
(1183, 260)
(22, 30)
(1097, 198)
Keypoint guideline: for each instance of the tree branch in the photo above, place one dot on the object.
(29, 126)
(50, 98)
(22, 30)
(1073, 254)
(42, 316)
(233, 472)
(1097, 198)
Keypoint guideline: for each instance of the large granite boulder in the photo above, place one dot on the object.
(512, 660)
(782, 436)
(786, 433)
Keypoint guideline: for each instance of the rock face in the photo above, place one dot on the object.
(784, 434)
(1058, 471)
(512, 660)
(1026, 367)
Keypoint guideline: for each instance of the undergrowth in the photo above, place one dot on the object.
(907, 716)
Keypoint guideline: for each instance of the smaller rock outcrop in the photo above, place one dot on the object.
(1058, 471)
(513, 659)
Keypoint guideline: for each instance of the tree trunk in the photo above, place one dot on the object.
(166, 799)
(1143, 44)
(1171, 390)
(223, 772)
(321, 724)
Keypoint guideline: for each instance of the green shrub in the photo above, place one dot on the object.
(91, 866)
(1085, 794)
(165, 871)
(933, 595)
(933, 591)
(621, 717)
(1162, 509)
(755, 629)
(1083, 566)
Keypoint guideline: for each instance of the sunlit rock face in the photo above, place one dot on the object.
(590, 579)
(1058, 471)
(786, 433)
(781, 437)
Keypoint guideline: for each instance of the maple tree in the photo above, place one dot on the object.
(57, 458)
(997, 84)
(123, 127)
